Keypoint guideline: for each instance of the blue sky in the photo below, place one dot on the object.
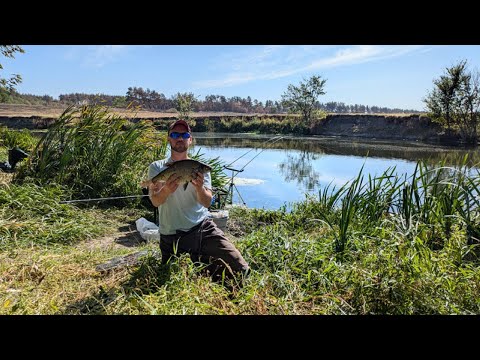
(395, 76)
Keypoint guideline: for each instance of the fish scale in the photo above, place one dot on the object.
(186, 169)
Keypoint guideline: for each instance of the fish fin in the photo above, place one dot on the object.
(185, 186)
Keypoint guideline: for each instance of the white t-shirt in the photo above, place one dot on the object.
(181, 210)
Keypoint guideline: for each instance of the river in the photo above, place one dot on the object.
(277, 172)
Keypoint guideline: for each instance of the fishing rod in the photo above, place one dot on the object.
(276, 138)
(272, 140)
(235, 172)
(101, 199)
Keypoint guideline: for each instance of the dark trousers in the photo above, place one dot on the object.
(205, 243)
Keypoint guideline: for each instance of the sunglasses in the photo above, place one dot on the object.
(176, 135)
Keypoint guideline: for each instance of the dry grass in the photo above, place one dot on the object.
(64, 279)
(63, 275)
(18, 110)
(57, 279)
(5, 178)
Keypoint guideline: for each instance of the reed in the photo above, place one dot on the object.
(365, 248)
(17, 138)
(88, 151)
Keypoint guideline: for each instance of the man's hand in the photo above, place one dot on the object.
(204, 195)
(198, 181)
(172, 183)
(159, 191)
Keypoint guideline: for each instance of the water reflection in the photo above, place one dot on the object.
(412, 151)
(284, 171)
(299, 168)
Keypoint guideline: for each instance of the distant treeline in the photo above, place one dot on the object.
(154, 101)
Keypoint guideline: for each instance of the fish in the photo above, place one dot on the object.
(186, 169)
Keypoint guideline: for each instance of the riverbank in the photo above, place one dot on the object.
(383, 245)
(369, 264)
(366, 126)
(403, 127)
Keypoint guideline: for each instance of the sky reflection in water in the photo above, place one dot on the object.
(304, 165)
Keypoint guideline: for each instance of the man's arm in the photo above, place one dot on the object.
(159, 191)
(204, 195)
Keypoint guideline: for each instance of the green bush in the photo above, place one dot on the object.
(17, 138)
(94, 153)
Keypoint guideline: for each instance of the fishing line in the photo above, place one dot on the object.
(271, 141)
(230, 181)
(276, 138)
(101, 199)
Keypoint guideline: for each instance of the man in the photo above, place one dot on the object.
(184, 224)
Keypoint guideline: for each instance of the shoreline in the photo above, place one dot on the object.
(411, 128)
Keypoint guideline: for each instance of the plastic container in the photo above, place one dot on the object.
(148, 230)
(220, 217)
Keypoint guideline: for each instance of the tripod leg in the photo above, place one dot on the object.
(230, 191)
(227, 197)
(238, 192)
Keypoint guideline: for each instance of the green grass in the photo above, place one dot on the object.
(378, 245)
(296, 267)
(31, 215)
(17, 138)
(89, 151)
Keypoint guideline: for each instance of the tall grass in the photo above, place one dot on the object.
(92, 152)
(468, 207)
(296, 264)
(429, 196)
(385, 267)
(32, 215)
(350, 200)
(17, 138)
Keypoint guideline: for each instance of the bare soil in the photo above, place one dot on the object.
(124, 237)
(19, 110)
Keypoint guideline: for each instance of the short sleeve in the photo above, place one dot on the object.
(155, 168)
(207, 181)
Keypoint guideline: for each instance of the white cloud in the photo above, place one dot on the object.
(273, 62)
(98, 56)
(247, 182)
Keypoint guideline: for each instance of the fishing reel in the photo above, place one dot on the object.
(15, 155)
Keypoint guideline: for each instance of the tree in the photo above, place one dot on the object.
(184, 104)
(302, 98)
(9, 52)
(440, 100)
(455, 101)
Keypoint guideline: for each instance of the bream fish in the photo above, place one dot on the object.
(186, 169)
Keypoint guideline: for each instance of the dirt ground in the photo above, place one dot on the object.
(18, 110)
(28, 111)
(127, 236)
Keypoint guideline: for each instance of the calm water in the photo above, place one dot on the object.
(284, 171)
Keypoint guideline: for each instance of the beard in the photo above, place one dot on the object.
(179, 147)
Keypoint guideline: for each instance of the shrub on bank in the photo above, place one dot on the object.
(91, 152)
